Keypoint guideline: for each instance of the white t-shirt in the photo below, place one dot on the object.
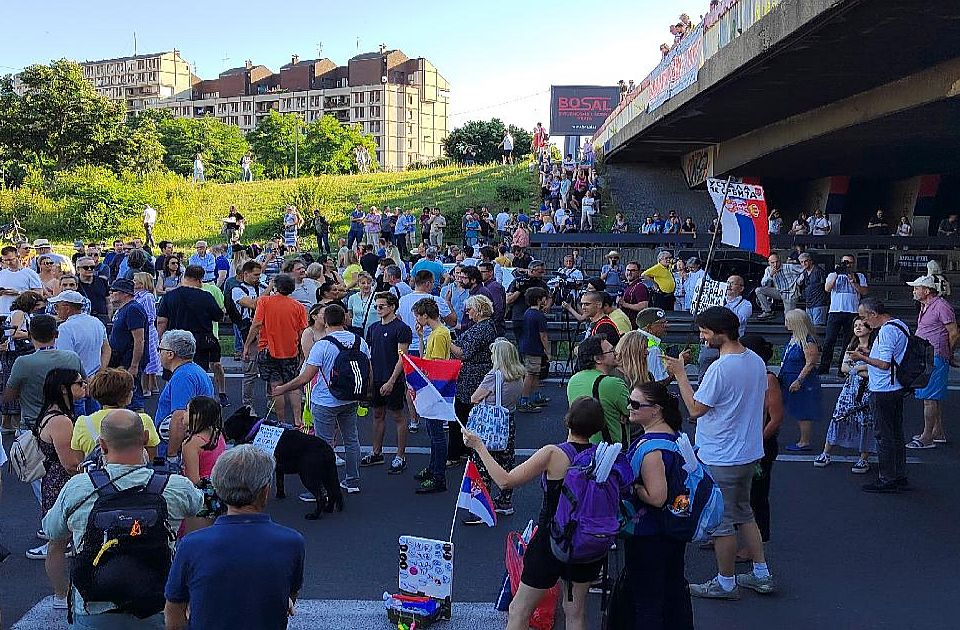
(819, 227)
(149, 216)
(21, 280)
(322, 356)
(743, 309)
(731, 433)
(508, 142)
(844, 297)
(890, 346)
(405, 312)
(83, 334)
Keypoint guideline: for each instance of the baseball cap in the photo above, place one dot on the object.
(536, 263)
(523, 218)
(613, 254)
(41, 242)
(650, 315)
(123, 286)
(925, 281)
(73, 297)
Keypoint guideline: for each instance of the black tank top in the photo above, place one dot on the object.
(551, 492)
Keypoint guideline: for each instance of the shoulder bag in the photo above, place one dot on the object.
(491, 422)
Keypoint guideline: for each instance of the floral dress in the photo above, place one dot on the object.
(149, 303)
(852, 425)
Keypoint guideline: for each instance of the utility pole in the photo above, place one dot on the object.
(296, 149)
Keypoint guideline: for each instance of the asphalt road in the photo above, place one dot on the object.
(842, 558)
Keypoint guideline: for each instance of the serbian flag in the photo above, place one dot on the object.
(743, 215)
(434, 386)
(474, 496)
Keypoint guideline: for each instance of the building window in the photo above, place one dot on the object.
(410, 97)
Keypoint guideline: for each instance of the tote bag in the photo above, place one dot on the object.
(491, 422)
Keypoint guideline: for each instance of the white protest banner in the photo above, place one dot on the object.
(714, 293)
(267, 438)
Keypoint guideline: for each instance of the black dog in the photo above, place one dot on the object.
(296, 453)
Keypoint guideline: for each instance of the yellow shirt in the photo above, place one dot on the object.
(438, 344)
(621, 320)
(663, 278)
(84, 442)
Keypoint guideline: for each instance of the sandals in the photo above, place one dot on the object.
(939, 440)
(916, 444)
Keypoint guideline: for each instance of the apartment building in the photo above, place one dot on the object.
(140, 81)
(402, 102)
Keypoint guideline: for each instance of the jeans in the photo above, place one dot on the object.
(85, 406)
(655, 571)
(438, 450)
(354, 236)
(839, 326)
(401, 242)
(113, 621)
(148, 233)
(767, 295)
(818, 315)
(325, 421)
(887, 411)
(136, 403)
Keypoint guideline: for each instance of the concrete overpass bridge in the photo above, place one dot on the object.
(841, 105)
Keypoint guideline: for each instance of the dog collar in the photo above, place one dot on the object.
(253, 431)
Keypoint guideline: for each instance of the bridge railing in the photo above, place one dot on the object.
(680, 68)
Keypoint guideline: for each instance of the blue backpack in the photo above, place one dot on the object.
(694, 504)
(586, 523)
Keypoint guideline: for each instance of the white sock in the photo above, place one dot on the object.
(760, 570)
(726, 583)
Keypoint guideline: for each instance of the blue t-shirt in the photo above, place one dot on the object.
(472, 227)
(433, 267)
(188, 381)
(221, 264)
(129, 317)
(227, 588)
(534, 323)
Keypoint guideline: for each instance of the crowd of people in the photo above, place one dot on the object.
(84, 351)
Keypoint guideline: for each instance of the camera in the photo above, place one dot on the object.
(842, 267)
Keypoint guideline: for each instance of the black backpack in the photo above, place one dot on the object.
(231, 307)
(351, 371)
(916, 368)
(124, 556)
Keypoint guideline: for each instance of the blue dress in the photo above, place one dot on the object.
(804, 404)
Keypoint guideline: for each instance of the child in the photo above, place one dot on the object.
(201, 449)
(437, 346)
(534, 345)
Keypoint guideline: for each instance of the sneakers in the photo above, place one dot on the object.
(371, 459)
(397, 466)
(431, 486)
(503, 507)
(861, 467)
(473, 519)
(423, 475)
(341, 461)
(528, 408)
(413, 426)
(59, 603)
(882, 487)
(822, 461)
(541, 401)
(224, 401)
(38, 553)
(453, 463)
(349, 489)
(764, 585)
(713, 590)
(42, 535)
(307, 497)
(765, 315)
(797, 448)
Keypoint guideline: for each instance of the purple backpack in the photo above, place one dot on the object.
(588, 514)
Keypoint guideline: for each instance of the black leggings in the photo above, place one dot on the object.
(455, 446)
(760, 488)
(655, 570)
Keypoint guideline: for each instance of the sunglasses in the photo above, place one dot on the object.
(380, 306)
(86, 267)
(637, 405)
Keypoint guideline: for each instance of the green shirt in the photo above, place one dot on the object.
(613, 398)
(183, 500)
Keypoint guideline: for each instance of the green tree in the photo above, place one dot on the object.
(141, 149)
(328, 147)
(275, 143)
(479, 140)
(220, 145)
(56, 119)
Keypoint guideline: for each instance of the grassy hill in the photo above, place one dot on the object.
(101, 206)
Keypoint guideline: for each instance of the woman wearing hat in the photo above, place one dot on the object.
(612, 273)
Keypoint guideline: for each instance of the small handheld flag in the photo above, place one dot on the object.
(434, 386)
(474, 496)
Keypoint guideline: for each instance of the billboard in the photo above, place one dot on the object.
(579, 110)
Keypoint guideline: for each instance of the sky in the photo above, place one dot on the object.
(500, 57)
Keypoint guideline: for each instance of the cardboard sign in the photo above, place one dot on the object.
(267, 438)
(714, 294)
(426, 567)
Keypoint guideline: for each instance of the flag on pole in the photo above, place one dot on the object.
(474, 496)
(743, 215)
(434, 386)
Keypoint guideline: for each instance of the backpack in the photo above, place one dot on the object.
(694, 504)
(351, 371)
(587, 522)
(231, 307)
(26, 460)
(916, 368)
(124, 556)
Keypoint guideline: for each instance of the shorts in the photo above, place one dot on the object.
(936, 389)
(541, 569)
(277, 370)
(535, 365)
(392, 401)
(735, 483)
(208, 351)
(508, 152)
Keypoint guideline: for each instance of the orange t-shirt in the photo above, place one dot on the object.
(283, 319)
